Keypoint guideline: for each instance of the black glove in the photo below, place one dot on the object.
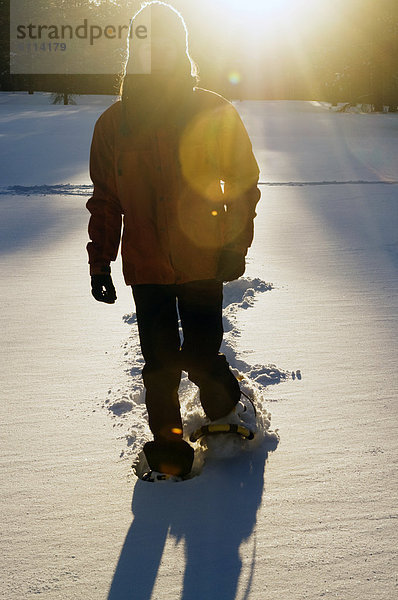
(102, 288)
(231, 265)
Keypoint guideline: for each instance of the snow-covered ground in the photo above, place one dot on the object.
(313, 516)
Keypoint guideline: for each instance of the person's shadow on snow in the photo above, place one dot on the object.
(213, 514)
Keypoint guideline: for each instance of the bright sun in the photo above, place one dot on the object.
(267, 35)
(288, 14)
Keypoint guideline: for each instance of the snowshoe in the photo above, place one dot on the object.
(241, 421)
(155, 476)
(214, 428)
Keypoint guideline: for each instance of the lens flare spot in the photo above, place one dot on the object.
(234, 77)
(169, 469)
(176, 431)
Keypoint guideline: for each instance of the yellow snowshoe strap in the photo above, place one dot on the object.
(213, 429)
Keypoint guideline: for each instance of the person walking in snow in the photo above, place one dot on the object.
(173, 164)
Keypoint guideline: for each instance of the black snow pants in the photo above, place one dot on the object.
(198, 304)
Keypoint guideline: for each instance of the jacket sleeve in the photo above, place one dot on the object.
(240, 173)
(106, 214)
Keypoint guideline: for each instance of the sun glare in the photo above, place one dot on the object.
(274, 41)
(287, 14)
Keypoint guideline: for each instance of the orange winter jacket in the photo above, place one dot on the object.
(181, 194)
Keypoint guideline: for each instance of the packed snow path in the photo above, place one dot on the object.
(318, 520)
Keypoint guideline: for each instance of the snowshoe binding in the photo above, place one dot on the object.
(240, 421)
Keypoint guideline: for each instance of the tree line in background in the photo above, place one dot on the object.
(354, 60)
